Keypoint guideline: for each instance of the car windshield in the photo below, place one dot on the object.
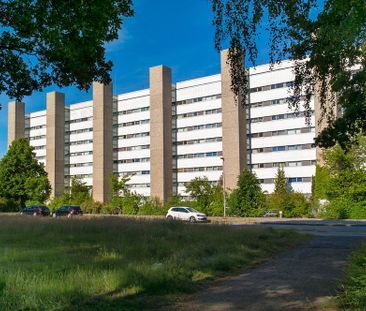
(192, 210)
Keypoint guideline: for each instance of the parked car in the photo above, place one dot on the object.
(36, 210)
(185, 214)
(270, 214)
(68, 210)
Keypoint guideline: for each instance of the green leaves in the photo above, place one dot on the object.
(57, 42)
(21, 176)
(327, 44)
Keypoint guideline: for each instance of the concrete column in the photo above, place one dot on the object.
(234, 132)
(16, 121)
(161, 172)
(323, 115)
(102, 141)
(55, 142)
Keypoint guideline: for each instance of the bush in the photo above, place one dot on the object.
(152, 207)
(339, 208)
(92, 207)
(9, 205)
(56, 203)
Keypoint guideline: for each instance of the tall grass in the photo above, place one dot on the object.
(97, 263)
(352, 295)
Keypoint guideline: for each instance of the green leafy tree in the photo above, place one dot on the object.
(22, 177)
(57, 42)
(201, 190)
(325, 39)
(248, 198)
(320, 182)
(280, 198)
(78, 193)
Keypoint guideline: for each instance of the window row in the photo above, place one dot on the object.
(283, 132)
(136, 135)
(289, 180)
(37, 137)
(86, 164)
(284, 164)
(77, 154)
(198, 141)
(283, 116)
(132, 123)
(79, 142)
(130, 148)
(36, 127)
(199, 155)
(199, 113)
(135, 160)
(197, 99)
(271, 87)
(79, 120)
(199, 127)
(86, 130)
(130, 111)
(197, 169)
(283, 148)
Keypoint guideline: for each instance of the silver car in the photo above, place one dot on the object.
(185, 214)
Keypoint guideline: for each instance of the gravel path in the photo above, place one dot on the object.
(301, 279)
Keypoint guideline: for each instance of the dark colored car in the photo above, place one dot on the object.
(68, 210)
(36, 210)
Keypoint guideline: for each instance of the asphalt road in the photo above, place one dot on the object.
(304, 278)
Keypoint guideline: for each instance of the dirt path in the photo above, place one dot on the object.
(301, 279)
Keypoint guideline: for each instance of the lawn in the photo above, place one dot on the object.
(110, 263)
(352, 294)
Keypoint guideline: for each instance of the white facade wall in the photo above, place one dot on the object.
(132, 141)
(36, 132)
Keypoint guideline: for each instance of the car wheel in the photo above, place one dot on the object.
(170, 218)
(54, 215)
(34, 214)
(192, 219)
(69, 215)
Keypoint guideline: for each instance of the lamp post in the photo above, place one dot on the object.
(223, 185)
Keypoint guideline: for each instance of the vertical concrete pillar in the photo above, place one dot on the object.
(55, 142)
(16, 121)
(102, 141)
(161, 161)
(323, 115)
(234, 136)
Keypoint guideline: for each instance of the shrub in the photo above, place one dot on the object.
(9, 205)
(56, 203)
(339, 208)
(152, 207)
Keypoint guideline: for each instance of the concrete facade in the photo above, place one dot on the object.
(234, 138)
(55, 141)
(102, 141)
(16, 121)
(161, 172)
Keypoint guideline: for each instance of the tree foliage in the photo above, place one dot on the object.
(22, 178)
(324, 41)
(247, 199)
(345, 175)
(56, 42)
(78, 192)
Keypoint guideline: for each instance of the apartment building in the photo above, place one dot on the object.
(165, 136)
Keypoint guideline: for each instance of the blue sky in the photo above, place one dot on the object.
(178, 34)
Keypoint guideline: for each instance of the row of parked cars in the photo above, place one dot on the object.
(43, 210)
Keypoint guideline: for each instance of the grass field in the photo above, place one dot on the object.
(352, 295)
(119, 264)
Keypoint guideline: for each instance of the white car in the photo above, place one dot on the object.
(185, 213)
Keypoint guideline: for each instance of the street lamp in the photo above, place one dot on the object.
(223, 185)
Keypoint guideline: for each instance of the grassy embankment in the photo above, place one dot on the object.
(352, 295)
(119, 264)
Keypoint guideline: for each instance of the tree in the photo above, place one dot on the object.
(22, 177)
(280, 198)
(56, 42)
(201, 190)
(247, 199)
(325, 41)
(78, 193)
